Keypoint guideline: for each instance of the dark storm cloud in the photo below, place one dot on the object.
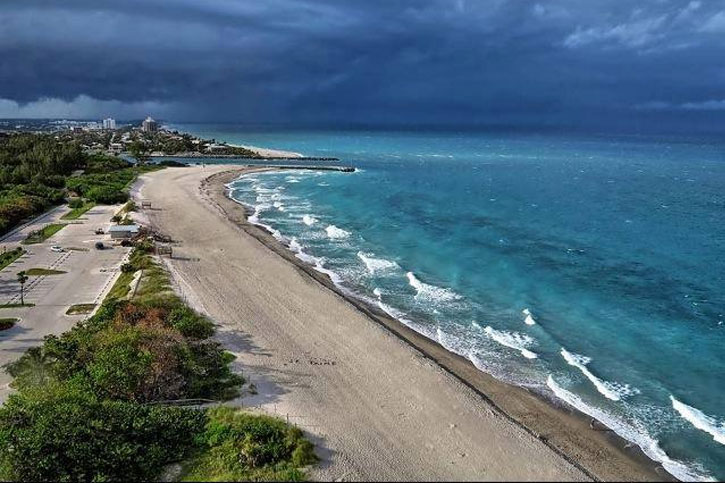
(409, 61)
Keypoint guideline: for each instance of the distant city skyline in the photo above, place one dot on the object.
(613, 64)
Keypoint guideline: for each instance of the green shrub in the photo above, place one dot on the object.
(133, 352)
(239, 446)
(75, 203)
(63, 433)
(107, 195)
(190, 324)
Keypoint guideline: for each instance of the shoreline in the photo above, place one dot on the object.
(601, 454)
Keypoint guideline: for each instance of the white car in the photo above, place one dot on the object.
(56, 248)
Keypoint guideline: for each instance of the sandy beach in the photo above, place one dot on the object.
(381, 401)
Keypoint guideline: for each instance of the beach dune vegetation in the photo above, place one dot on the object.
(98, 402)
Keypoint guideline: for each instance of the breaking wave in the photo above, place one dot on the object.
(528, 318)
(336, 233)
(376, 264)
(638, 436)
(512, 340)
(611, 390)
(430, 292)
(700, 420)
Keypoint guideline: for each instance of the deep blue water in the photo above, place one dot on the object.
(613, 246)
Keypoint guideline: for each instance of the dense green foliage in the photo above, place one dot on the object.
(35, 169)
(62, 432)
(33, 158)
(238, 446)
(106, 187)
(134, 352)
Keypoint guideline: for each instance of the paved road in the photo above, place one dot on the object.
(90, 273)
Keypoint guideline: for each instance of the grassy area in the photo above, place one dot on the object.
(36, 272)
(14, 305)
(78, 309)
(121, 286)
(7, 323)
(39, 236)
(10, 256)
(239, 446)
(76, 213)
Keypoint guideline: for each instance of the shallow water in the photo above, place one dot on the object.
(589, 268)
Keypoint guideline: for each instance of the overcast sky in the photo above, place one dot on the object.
(517, 62)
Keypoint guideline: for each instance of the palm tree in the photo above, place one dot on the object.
(22, 278)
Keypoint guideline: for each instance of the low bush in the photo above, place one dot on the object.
(74, 203)
(239, 446)
(135, 352)
(62, 432)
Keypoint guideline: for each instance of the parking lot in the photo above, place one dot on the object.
(89, 275)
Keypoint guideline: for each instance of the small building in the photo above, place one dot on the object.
(121, 232)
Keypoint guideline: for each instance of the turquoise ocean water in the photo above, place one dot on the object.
(588, 268)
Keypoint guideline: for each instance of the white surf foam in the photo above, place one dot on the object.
(700, 420)
(278, 205)
(638, 436)
(610, 390)
(309, 220)
(295, 246)
(401, 316)
(376, 264)
(528, 318)
(317, 263)
(512, 340)
(258, 210)
(430, 292)
(336, 233)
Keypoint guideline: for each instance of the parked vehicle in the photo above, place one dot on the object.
(56, 248)
(100, 246)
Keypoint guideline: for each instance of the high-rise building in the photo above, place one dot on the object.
(109, 123)
(149, 125)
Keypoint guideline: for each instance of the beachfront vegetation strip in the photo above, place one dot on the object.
(7, 323)
(39, 236)
(10, 256)
(92, 404)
